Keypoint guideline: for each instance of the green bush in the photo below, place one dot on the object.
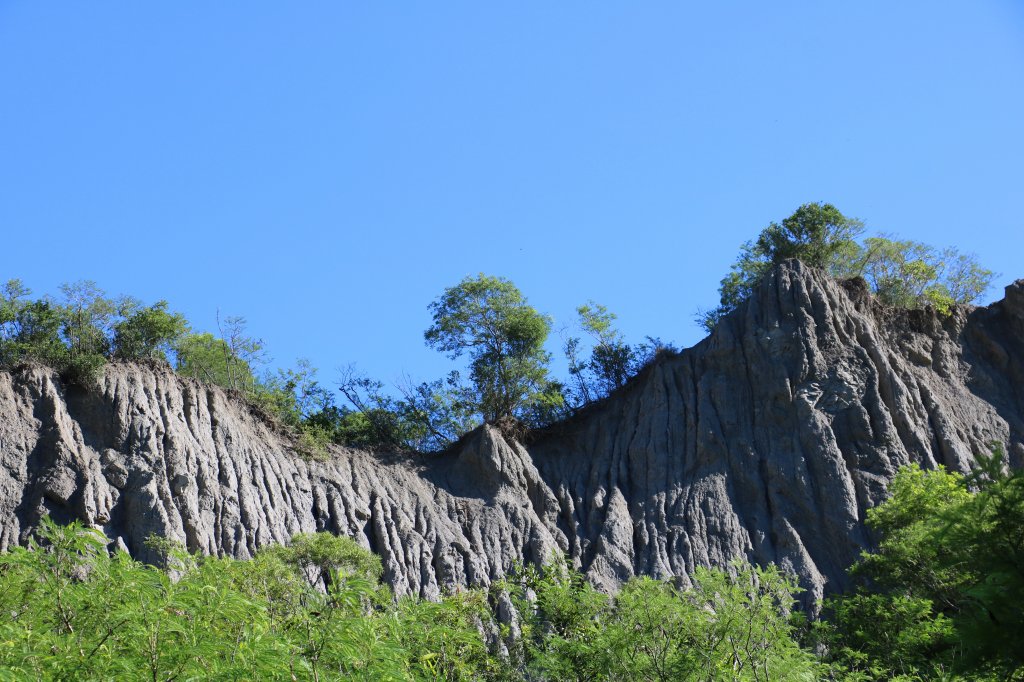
(151, 332)
(731, 625)
(84, 370)
(942, 594)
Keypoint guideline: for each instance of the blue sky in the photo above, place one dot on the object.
(326, 169)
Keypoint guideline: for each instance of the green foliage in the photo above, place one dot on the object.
(148, 332)
(87, 318)
(227, 361)
(445, 637)
(294, 394)
(73, 337)
(442, 410)
(297, 400)
(326, 555)
(904, 274)
(731, 625)
(11, 295)
(817, 234)
(78, 335)
(486, 318)
(942, 592)
(84, 369)
(612, 362)
(378, 419)
(428, 417)
(208, 358)
(879, 636)
(29, 330)
(489, 319)
(909, 274)
(72, 611)
(940, 601)
(563, 621)
(375, 428)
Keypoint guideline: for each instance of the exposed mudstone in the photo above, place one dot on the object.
(768, 440)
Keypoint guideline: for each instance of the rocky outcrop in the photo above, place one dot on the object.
(771, 438)
(768, 440)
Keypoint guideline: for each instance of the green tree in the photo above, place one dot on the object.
(910, 274)
(88, 318)
(73, 611)
(240, 345)
(442, 410)
(296, 398)
(444, 639)
(817, 234)
(11, 304)
(325, 554)
(564, 622)
(378, 420)
(611, 363)
(351, 428)
(30, 330)
(204, 356)
(39, 335)
(148, 332)
(489, 319)
(904, 274)
(729, 625)
(226, 361)
(944, 589)
(294, 395)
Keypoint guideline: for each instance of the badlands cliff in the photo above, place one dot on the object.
(768, 440)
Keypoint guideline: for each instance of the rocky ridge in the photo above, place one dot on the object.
(768, 440)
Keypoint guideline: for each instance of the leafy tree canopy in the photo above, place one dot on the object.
(943, 592)
(78, 334)
(489, 319)
(29, 330)
(909, 274)
(148, 332)
(206, 357)
(899, 273)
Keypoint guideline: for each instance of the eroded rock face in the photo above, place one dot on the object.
(772, 437)
(768, 440)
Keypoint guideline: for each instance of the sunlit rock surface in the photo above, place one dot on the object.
(768, 440)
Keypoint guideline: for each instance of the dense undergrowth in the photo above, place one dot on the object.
(483, 320)
(74, 611)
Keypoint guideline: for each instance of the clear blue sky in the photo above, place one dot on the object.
(327, 168)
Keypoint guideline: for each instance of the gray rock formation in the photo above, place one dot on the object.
(768, 440)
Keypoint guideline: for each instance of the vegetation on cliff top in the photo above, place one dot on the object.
(485, 319)
(903, 274)
(939, 599)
